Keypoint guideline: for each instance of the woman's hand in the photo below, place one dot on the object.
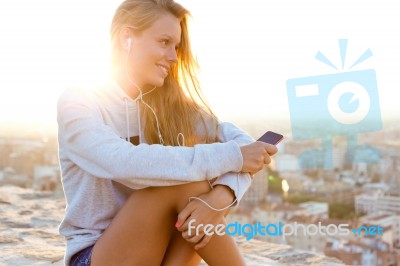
(220, 197)
(255, 155)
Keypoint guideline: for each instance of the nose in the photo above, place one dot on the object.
(172, 56)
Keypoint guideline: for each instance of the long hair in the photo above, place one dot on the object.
(179, 104)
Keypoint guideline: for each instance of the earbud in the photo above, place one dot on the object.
(129, 43)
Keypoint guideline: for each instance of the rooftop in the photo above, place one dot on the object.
(29, 236)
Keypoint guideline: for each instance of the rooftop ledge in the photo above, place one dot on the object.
(256, 253)
(29, 234)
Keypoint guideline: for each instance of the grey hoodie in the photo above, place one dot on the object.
(100, 168)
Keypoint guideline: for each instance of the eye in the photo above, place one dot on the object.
(164, 42)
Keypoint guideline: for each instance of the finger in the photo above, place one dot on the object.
(183, 216)
(267, 159)
(193, 237)
(271, 149)
(185, 225)
(188, 234)
(204, 241)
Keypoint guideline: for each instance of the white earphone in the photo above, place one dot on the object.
(129, 43)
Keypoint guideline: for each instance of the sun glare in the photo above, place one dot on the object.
(246, 52)
(46, 47)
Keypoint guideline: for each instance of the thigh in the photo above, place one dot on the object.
(140, 232)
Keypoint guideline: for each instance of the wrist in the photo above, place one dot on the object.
(222, 195)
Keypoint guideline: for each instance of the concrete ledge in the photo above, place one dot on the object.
(29, 235)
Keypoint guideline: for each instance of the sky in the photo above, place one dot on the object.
(247, 51)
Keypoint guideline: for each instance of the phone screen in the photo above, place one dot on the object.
(271, 138)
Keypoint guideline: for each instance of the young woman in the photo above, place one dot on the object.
(134, 150)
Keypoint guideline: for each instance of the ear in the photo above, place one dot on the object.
(125, 39)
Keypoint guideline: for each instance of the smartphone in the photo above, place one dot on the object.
(271, 138)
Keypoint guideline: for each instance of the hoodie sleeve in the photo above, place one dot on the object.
(96, 148)
(238, 182)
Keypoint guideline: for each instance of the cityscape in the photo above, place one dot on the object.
(350, 211)
(356, 192)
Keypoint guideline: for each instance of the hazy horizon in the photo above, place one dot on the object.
(255, 124)
(245, 63)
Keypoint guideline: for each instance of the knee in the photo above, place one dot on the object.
(174, 196)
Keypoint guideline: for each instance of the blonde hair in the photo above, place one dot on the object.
(179, 104)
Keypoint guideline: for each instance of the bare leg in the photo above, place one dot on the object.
(140, 232)
(180, 252)
(221, 250)
(142, 229)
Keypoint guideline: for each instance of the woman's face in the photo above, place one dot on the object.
(153, 51)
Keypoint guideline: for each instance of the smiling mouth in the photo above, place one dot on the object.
(163, 69)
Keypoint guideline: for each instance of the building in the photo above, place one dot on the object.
(377, 202)
(375, 253)
(273, 213)
(338, 157)
(390, 224)
(302, 240)
(318, 209)
(365, 249)
(389, 204)
(365, 203)
(286, 162)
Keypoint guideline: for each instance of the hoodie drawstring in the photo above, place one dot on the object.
(178, 139)
(127, 119)
(138, 117)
